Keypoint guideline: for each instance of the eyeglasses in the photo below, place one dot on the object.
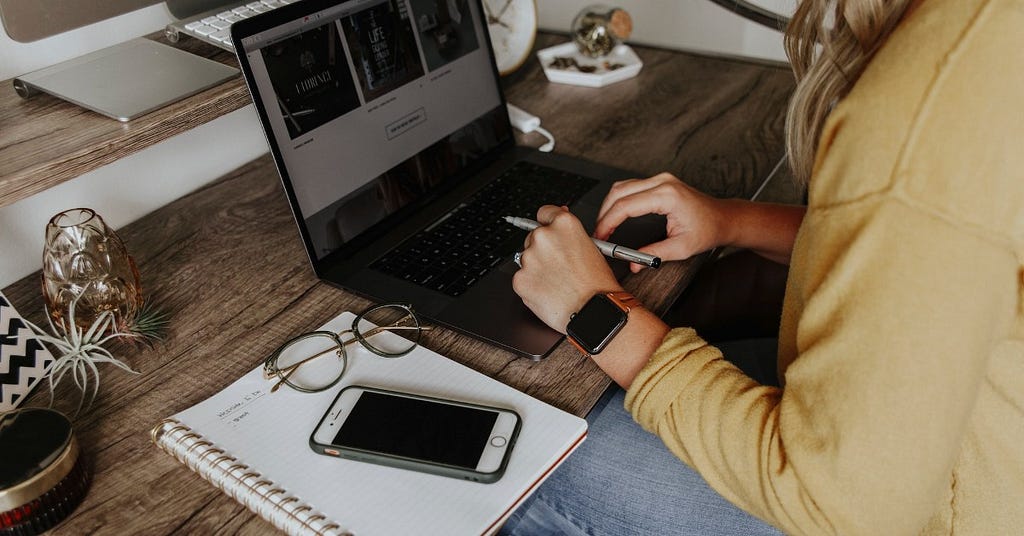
(316, 361)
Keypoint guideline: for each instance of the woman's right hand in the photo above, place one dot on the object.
(695, 222)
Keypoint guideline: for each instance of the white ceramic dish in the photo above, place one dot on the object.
(601, 77)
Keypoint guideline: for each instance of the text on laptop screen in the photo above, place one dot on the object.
(378, 102)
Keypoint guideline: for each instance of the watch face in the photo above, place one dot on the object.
(513, 26)
(596, 324)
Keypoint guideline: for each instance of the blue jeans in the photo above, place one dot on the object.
(622, 480)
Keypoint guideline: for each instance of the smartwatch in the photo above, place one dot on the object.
(596, 324)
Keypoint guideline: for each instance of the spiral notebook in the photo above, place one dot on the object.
(254, 446)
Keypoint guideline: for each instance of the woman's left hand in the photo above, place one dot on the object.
(561, 268)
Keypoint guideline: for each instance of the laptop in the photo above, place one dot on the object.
(396, 153)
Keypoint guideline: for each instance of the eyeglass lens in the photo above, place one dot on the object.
(321, 358)
(388, 330)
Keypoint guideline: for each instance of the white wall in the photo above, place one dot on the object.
(136, 185)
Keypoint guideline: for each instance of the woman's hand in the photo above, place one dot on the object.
(561, 271)
(695, 222)
(561, 268)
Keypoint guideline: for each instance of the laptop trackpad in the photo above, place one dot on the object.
(492, 311)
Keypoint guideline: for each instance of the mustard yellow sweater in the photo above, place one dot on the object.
(902, 339)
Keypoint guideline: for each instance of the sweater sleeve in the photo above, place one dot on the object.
(901, 310)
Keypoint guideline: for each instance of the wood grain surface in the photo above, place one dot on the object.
(227, 264)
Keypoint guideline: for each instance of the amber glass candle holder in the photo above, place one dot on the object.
(85, 260)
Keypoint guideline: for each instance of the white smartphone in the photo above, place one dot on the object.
(443, 437)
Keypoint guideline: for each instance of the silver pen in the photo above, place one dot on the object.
(614, 251)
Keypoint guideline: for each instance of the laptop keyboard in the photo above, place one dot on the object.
(458, 250)
(215, 27)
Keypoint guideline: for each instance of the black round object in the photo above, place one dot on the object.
(42, 478)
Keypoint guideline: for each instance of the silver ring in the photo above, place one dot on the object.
(518, 259)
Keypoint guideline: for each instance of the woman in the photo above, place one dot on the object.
(901, 347)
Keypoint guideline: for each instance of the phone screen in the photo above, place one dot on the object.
(420, 429)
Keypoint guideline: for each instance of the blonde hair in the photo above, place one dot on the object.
(829, 43)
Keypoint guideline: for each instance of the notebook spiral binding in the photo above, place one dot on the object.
(240, 482)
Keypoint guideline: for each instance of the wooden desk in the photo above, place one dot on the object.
(226, 262)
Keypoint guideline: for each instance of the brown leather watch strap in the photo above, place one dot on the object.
(623, 300)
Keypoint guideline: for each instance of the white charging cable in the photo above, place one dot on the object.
(526, 123)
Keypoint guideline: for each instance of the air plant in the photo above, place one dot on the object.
(149, 324)
(79, 350)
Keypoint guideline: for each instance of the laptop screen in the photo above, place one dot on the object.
(375, 105)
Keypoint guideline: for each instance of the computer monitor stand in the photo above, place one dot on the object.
(126, 80)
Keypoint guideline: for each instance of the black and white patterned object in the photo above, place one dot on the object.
(23, 358)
